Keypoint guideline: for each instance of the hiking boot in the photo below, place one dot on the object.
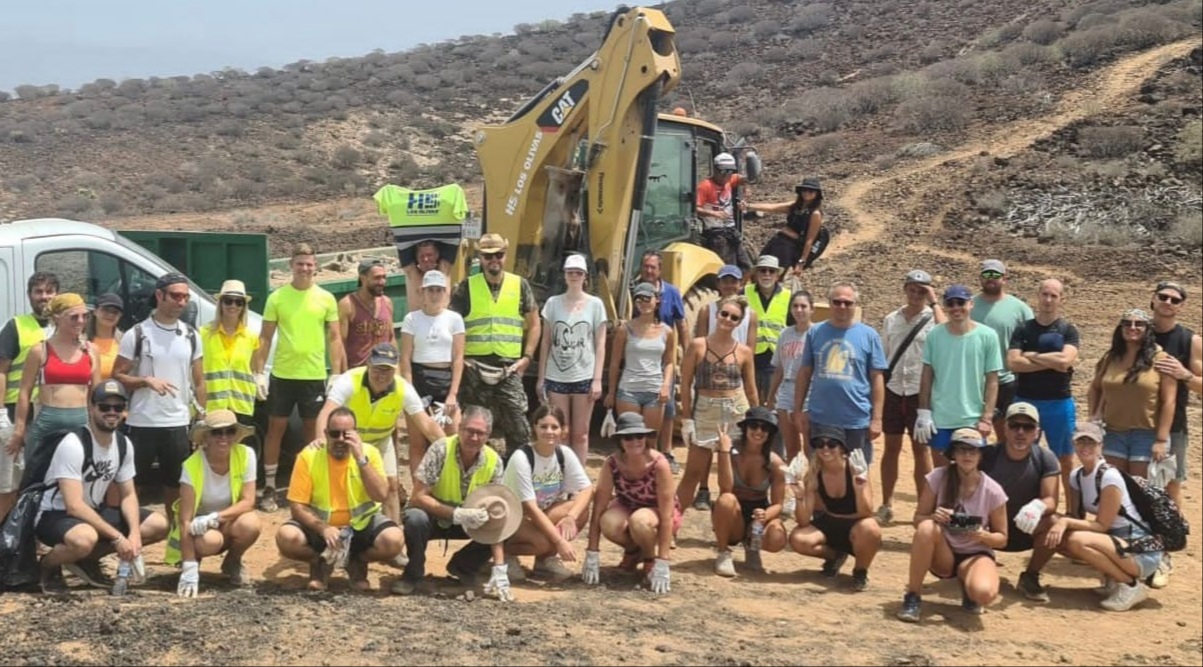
(860, 579)
(552, 568)
(52, 581)
(513, 569)
(910, 608)
(357, 572)
(1029, 585)
(90, 572)
(701, 502)
(831, 566)
(319, 574)
(884, 515)
(267, 502)
(232, 568)
(1126, 596)
(1161, 578)
(752, 560)
(724, 564)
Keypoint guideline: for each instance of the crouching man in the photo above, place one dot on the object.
(73, 519)
(335, 497)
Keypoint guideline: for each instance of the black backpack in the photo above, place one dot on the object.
(38, 462)
(530, 456)
(1165, 524)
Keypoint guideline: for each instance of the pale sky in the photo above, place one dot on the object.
(72, 42)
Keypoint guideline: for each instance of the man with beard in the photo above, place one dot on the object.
(16, 338)
(73, 519)
(1004, 313)
(334, 497)
(365, 316)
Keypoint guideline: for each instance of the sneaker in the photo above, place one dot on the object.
(752, 560)
(404, 587)
(884, 514)
(701, 502)
(831, 566)
(724, 564)
(1126, 596)
(1029, 585)
(910, 608)
(860, 579)
(552, 568)
(267, 502)
(513, 569)
(1106, 587)
(90, 572)
(52, 581)
(1161, 578)
(672, 463)
(399, 561)
(232, 568)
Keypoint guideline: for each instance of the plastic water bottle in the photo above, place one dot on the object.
(121, 583)
(757, 536)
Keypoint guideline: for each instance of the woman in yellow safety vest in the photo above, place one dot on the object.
(228, 348)
(215, 510)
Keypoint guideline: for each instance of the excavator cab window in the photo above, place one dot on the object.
(669, 203)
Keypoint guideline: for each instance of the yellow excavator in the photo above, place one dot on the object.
(589, 166)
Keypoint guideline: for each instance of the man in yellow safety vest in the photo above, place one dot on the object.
(770, 301)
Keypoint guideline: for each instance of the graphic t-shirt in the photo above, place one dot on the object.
(68, 463)
(843, 361)
(301, 317)
(419, 215)
(788, 357)
(572, 355)
(547, 484)
(987, 497)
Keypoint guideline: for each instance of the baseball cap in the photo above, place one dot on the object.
(957, 292)
(1169, 284)
(1023, 409)
(730, 271)
(110, 301)
(645, 289)
(384, 354)
(168, 279)
(108, 389)
(1090, 431)
(575, 262)
(917, 276)
(434, 278)
(368, 264)
(994, 265)
(967, 436)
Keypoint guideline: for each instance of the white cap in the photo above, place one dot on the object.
(434, 278)
(576, 262)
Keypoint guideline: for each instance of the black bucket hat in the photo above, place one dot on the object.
(759, 414)
(809, 184)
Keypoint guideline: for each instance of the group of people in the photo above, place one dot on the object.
(790, 409)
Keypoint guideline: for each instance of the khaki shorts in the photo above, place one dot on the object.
(709, 412)
(11, 470)
(388, 452)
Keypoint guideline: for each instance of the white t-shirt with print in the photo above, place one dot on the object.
(166, 354)
(547, 485)
(433, 335)
(1090, 494)
(68, 463)
(572, 355)
(215, 489)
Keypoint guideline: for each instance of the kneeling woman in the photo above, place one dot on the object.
(961, 519)
(635, 506)
(216, 508)
(555, 492)
(751, 482)
(835, 515)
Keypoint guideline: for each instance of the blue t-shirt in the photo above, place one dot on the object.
(843, 361)
(672, 307)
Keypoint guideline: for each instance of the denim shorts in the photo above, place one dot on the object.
(1134, 445)
(1178, 447)
(644, 399)
(1147, 562)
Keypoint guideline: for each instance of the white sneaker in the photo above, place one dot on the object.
(884, 515)
(1126, 597)
(1106, 587)
(724, 564)
(1161, 578)
(553, 568)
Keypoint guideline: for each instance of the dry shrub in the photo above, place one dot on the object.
(1110, 142)
(926, 114)
(1187, 227)
(1043, 31)
(1190, 143)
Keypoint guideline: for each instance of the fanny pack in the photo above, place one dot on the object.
(489, 374)
(432, 381)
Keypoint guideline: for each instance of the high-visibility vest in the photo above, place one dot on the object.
(375, 421)
(29, 333)
(228, 378)
(361, 505)
(239, 457)
(447, 489)
(494, 327)
(770, 323)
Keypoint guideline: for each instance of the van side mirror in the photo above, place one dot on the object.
(752, 166)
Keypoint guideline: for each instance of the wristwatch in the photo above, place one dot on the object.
(363, 461)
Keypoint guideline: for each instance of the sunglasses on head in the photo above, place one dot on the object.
(728, 315)
(1025, 427)
(1133, 324)
(1169, 298)
(111, 407)
(843, 303)
(825, 443)
(232, 301)
(225, 432)
(955, 303)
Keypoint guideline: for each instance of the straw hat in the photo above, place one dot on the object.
(505, 513)
(219, 419)
(234, 288)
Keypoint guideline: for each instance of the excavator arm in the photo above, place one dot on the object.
(568, 171)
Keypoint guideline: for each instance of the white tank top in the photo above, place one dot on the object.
(741, 332)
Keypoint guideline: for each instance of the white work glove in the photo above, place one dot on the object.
(499, 584)
(860, 469)
(6, 427)
(440, 415)
(203, 523)
(189, 579)
(609, 425)
(1028, 516)
(470, 518)
(261, 384)
(659, 577)
(925, 428)
(689, 432)
(137, 571)
(591, 571)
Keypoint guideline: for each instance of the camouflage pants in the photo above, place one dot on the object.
(506, 400)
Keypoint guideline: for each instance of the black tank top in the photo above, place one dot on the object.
(799, 220)
(1176, 343)
(845, 505)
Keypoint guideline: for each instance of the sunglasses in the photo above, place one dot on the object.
(1023, 427)
(643, 299)
(111, 407)
(227, 432)
(1133, 324)
(956, 303)
(179, 297)
(991, 275)
(1169, 298)
(765, 272)
(338, 434)
(79, 317)
(728, 315)
(825, 443)
(629, 438)
(495, 255)
(843, 303)
(231, 301)
(759, 426)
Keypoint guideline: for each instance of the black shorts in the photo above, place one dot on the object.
(957, 559)
(53, 525)
(307, 395)
(1017, 540)
(788, 251)
(360, 542)
(747, 507)
(169, 444)
(1006, 396)
(447, 253)
(432, 381)
(837, 531)
(899, 414)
